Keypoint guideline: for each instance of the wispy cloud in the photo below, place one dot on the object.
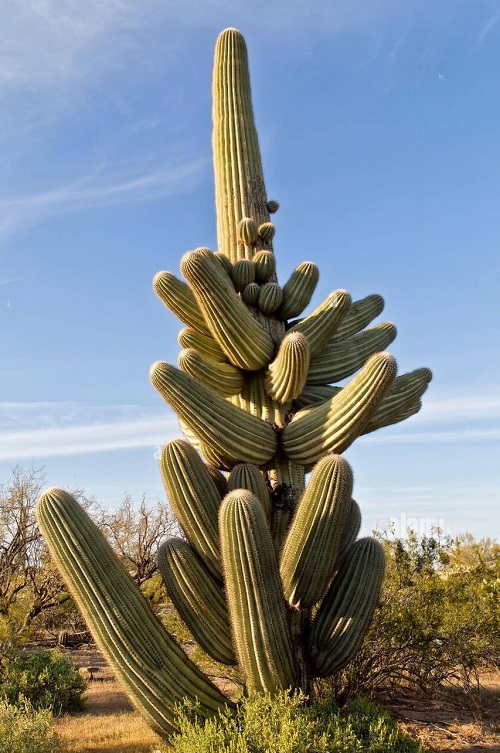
(59, 40)
(46, 429)
(465, 406)
(488, 27)
(41, 430)
(462, 436)
(88, 193)
(80, 440)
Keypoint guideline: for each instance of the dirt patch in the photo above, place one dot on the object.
(455, 725)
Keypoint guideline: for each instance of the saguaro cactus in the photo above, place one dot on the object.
(269, 574)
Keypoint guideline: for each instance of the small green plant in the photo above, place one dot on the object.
(23, 729)
(285, 724)
(45, 679)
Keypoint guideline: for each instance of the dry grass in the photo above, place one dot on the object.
(109, 724)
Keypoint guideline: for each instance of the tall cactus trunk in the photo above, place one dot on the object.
(269, 575)
(239, 180)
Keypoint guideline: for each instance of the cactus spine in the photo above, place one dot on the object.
(254, 398)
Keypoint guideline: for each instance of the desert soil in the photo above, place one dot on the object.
(109, 723)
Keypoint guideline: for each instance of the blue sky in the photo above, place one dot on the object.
(378, 122)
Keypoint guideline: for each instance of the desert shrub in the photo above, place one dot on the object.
(437, 622)
(23, 729)
(286, 725)
(47, 679)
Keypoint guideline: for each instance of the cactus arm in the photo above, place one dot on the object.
(255, 598)
(204, 344)
(362, 312)
(299, 289)
(198, 598)
(239, 181)
(179, 298)
(194, 498)
(233, 434)
(320, 326)
(402, 400)
(153, 668)
(341, 359)
(333, 425)
(220, 377)
(245, 343)
(287, 374)
(315, 535)
(346, 611)
(313, 394)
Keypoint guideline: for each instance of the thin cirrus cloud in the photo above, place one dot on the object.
(41, 430)
(38, 430)
(56, 41)
(24, 211)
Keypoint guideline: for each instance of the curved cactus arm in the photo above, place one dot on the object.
(362, 312)
(255, 599)
(245, 343)
(346, 612)
(315, 536)
(179, 298)
(239, 181)
(220, 377)
(333, 425)
(234, 435)
(195, 500)
(156, 672)
(298, 290)
(322, 323)
(341, 359)
(205, 345)
(402, 400)
(198, 598)
(287, 374)
(313, 394)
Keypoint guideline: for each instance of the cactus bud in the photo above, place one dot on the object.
(266, 231)
(247, 231)
(250, 293)
(265, 265)
(272, 206)
(270, 298)
(242, 274)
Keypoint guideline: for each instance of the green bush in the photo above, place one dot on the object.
(47, 679)
(286, 725)
(25, 730)
(437, 622)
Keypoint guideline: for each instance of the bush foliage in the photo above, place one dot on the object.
(286, 725)
(437, 622)
(46, 679)
(23, 729)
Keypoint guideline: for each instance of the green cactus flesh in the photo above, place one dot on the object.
(270, 575)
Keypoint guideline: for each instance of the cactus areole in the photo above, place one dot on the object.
(269, 575)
